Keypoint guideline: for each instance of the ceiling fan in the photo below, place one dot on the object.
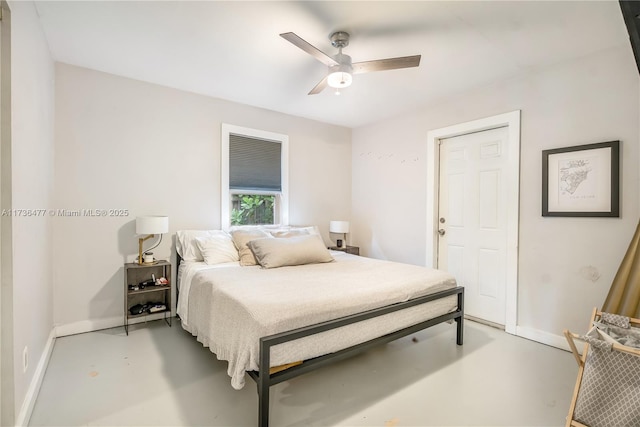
(341, 69)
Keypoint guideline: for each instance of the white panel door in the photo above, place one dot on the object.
(472, 219)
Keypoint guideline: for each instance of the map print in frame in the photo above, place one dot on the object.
(581, 180)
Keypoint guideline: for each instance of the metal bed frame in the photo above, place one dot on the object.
(264, 379)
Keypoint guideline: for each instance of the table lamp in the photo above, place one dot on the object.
(341, 227)
(150, 225)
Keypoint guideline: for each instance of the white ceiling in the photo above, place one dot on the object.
(232, 49)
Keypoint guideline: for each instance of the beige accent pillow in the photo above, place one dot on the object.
(241, 238)
(217, 249)
(272, 253)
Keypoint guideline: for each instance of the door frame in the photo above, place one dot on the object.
(512, 121)
(7, 392)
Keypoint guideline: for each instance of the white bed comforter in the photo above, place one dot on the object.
(230, 309)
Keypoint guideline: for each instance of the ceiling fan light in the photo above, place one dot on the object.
(340, 75)
(339, 79)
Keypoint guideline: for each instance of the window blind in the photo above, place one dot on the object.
(254, 164)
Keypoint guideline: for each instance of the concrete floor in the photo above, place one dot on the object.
(161, 376)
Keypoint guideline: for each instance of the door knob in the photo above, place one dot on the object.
(441, 232)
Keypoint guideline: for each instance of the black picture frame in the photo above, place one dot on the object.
(582, 180)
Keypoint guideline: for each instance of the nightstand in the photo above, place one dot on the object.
(353, 250)
(134, 274)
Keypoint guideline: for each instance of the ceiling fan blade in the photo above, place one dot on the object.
(386, 64)
(320, 86)
(310, 49)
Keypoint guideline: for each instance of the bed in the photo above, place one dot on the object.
(275, 322)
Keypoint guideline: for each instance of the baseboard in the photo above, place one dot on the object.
(96, 325)
(34, 388)
(558, 341)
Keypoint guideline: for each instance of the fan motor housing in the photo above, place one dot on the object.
(343, 61)
(339, 39)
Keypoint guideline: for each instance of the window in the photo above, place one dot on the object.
(254, 177)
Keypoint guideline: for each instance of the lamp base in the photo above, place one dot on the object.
(140, 241)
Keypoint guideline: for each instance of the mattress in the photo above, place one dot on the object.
(228, 308)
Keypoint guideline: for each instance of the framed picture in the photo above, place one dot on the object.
(582, 181)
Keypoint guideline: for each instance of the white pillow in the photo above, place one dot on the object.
(186, 244)
(311, 229)
(289, 233)
(272, 253)
(217, 249)
(264, 227)
(274, 228)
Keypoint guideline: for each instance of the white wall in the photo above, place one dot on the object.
(32, 178)
(593, 99)
(125, 144)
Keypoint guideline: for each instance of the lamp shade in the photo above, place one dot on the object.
(152, 224)
(339, 226)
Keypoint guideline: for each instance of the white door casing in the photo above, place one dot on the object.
(7, 384)
(472, 219)
(512, 122)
